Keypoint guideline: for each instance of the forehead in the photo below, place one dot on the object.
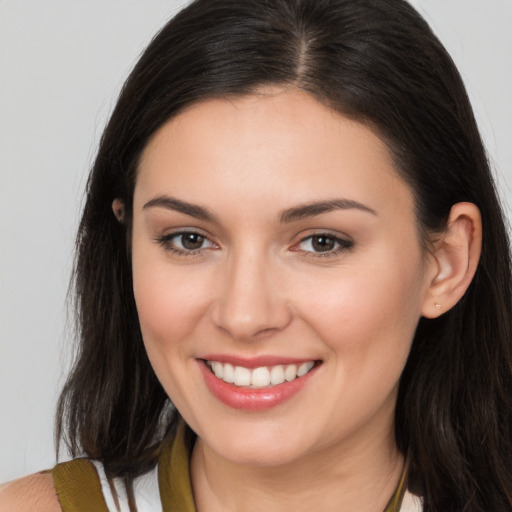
(275, 145)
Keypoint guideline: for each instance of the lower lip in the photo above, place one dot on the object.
(253, 399)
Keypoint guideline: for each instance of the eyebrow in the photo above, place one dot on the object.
(312, 209)
(171, 203)
(287, 216)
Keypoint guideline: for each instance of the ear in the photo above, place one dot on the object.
(455, 259)
(118, 209)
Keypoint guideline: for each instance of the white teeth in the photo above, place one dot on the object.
(261, 377)
(242, 376)
(218, 369)
(290, 372)
(228, 373)
(304, 368)
(277, 375)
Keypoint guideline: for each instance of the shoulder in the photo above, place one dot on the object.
(34, 492)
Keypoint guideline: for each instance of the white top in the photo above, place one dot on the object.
(145, 489)
(411, 503)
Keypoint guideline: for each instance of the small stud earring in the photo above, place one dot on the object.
(438, 306)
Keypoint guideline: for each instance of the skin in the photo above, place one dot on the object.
(33, 492)
(259, 287)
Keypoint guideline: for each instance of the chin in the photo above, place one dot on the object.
(257, 444)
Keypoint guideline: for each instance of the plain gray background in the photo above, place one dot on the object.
(62, 63)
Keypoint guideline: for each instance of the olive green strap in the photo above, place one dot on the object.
(78, 487)
(396, 500)
(174, 475)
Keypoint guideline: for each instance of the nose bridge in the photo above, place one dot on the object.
(251, 301)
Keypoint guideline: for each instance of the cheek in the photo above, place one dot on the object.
(368, 312)
(170, 304)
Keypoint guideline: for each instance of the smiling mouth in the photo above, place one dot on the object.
(258, 378)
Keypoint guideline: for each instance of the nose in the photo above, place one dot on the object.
(252, 298)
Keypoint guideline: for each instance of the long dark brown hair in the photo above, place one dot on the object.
(375, 61)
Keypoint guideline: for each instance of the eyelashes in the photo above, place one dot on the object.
(191, 243)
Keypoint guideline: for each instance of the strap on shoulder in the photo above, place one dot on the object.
(78, 487)
(174, 476)
(395, 502)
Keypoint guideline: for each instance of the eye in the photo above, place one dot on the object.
(185, 242)
(323, 245)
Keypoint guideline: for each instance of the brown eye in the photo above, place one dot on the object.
(191, 241)
(323, 243)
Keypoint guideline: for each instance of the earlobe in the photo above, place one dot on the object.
(118, 209)
(456, 255)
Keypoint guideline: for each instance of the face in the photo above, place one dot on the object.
(278, 275)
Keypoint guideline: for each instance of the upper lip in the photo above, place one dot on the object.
(256, 362)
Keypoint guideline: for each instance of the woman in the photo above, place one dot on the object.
(292, 235)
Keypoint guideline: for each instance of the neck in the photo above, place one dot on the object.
(347, 477)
